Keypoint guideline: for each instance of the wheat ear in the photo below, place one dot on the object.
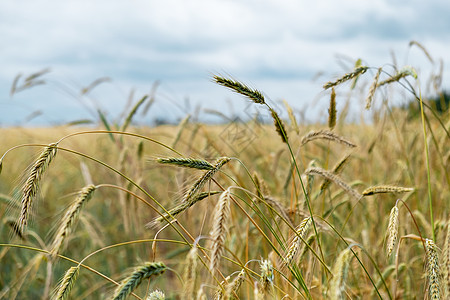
(70, 218)
(190, 274)
(340, 272)
(336, 170)
(372, 89)
(422, 48)
(446, 262)
(277, 206)
(31, 186)
(433, 270)
(254, 95)
(132, 113)
(300, 233)
(385, 189)
(157, 295)
(405, 71)
(181, 127)
(332, 110)
(219, 294)
(220, 229)
(199, 164)
(180, 208)
(201, 294)
(67, 283)
(356, 72)
(266, 280)
(15, 229)
(327, 135)
(233, 288)
(204, 178)
(130, 283)
(334, 178)
(392, 230)
(279, 126)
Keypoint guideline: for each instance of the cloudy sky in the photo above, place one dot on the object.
(287, 49)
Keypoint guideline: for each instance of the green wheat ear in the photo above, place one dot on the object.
(129, 284)
(254, 95)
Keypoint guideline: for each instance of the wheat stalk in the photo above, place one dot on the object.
(433, 270)
(327, 135)
(219, 228)
(334, 178)
(392, 230)
(70, 218)
(356, 72)
(31, 186)
(254, 95)
(199, 164)
(385, 189)
(372, 89)
(67, 283)
(130, 283)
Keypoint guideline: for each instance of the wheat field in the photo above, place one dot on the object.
(243, 210)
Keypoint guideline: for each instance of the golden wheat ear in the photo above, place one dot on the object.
(66, 284)
(372, 89)
(381, 189)
(356, 72)
(70, 218)
(446, 262)
(326, 135)
(335, 179)
(32, 183)
(392, 230)
(220, 229)
(200, 183)
(190, 273)
(340, 272)
(300, 233)
(433, 270)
